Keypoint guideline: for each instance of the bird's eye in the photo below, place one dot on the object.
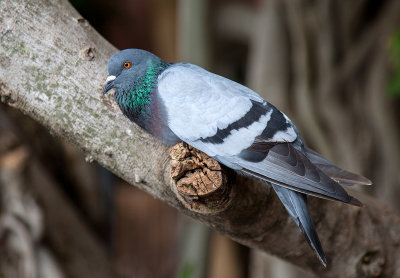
(127, 65)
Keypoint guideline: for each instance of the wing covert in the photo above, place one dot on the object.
(198, 102)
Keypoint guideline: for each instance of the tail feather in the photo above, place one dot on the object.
(341, 176)
(295, 204)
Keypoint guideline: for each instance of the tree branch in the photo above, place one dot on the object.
(53, 65)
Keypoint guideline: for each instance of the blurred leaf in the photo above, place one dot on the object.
(393, 87)
(187, 271)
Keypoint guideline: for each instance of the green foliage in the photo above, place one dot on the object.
(393, 87)
(187, 271)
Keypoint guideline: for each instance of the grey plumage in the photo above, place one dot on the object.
(296, 206)
(233, 124)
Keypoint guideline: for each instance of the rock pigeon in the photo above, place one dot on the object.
(183, 102)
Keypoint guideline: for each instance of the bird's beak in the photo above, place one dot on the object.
(109, 84)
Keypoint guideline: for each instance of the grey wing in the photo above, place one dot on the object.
(287, 166)
(277, 155)
(236, 126)
(198, 103)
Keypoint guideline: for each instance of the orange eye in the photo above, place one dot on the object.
(127, 65)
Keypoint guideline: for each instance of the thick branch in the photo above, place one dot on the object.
(53, 65)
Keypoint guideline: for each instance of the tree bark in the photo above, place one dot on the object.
(52, 67)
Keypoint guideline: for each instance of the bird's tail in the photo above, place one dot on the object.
(295, 204)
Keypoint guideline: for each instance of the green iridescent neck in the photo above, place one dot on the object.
(134, 99)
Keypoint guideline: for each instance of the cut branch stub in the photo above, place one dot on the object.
(201, 182)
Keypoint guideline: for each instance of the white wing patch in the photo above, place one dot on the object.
(237, 141)
(198, 102)
(288, 135)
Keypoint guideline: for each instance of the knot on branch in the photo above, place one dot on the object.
(200, 180)
(83, 22)
(89, 53)
(7, 96)
(371, 264)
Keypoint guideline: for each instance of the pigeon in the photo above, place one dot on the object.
(182, 102)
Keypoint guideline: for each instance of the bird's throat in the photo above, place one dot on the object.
(135, 99)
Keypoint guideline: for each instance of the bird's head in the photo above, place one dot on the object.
(126, 67)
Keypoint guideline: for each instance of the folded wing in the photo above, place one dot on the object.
(236, 126)
(287, 166)
(336, 173)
